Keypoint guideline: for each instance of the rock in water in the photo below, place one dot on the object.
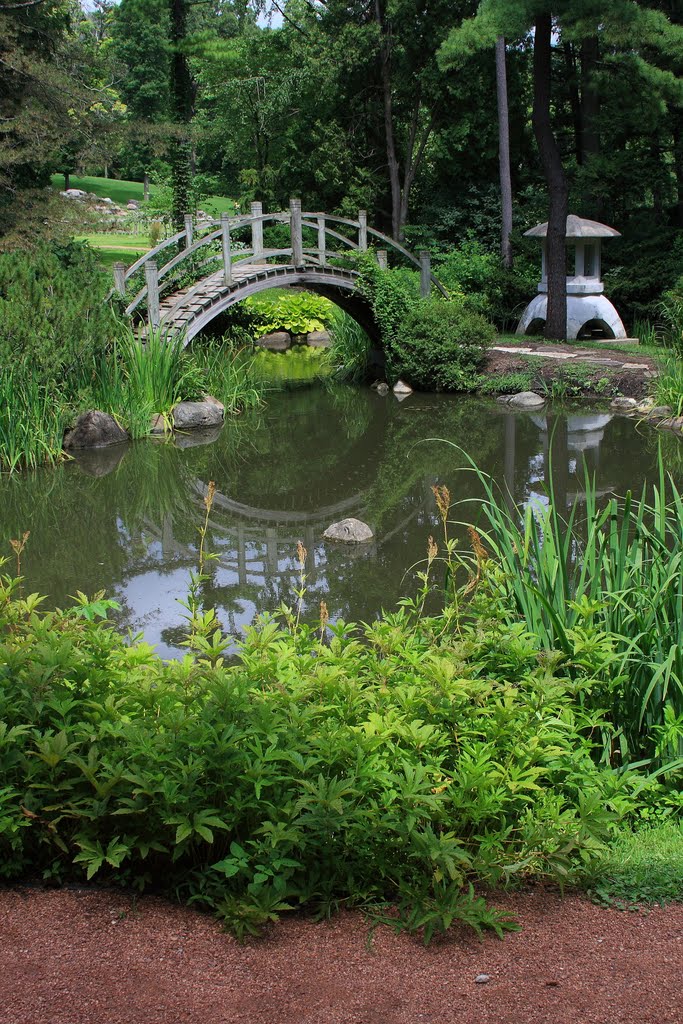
(319, 339)
(94, 429)
(349, 530)
(526, 400)
(192, 415)
(401, 388)
(383, 389)
(624, 404)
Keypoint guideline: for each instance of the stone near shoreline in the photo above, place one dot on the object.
(196, 415)
(94, 429)
(349, 530)
(623, 404)
(276, 341)
(526, 400)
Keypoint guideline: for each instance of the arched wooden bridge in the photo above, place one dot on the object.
(227, 270)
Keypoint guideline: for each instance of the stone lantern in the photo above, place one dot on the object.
(589, 311)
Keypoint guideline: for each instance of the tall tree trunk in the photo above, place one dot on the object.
(590, 98)
(558, 192)
(182, 99)
(416, 142)
(677, 136)
(572, 80)
(392, 159)
(504, 155)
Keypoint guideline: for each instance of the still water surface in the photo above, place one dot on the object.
(125, 520)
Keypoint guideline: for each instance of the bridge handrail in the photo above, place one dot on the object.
(217, 229)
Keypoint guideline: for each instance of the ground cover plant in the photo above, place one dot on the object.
(393, 767)
(640, 868)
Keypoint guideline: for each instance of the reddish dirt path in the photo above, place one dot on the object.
(86, 957)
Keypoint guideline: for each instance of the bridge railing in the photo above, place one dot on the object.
(222, 231)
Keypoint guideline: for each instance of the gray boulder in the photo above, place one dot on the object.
(319, 339)
(526, 400)
(623, 404)
(383, 389)
(352, 530)
(401, 388)
(94, 429)
(196, 415)
(277, 341)
(214, 401)
(660, 412)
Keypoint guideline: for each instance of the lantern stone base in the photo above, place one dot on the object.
(581, 310)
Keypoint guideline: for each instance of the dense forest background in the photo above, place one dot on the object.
(386, 105)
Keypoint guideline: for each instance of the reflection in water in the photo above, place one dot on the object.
(125, 520)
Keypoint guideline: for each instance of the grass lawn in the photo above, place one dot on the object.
(641, 867)
(123, 191)
(112, 248)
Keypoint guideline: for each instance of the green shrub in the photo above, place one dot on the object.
(52, 315)
(398, 764)
(439, 345)
(296, 312)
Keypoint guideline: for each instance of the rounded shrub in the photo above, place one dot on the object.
(439, 345)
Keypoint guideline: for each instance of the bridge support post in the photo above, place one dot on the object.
(382, 259)
(362, 230)
(257, 229)
(295, 231)
(188, 230)
(322, 245)
(225, 238)
(152, 279)
(425, 274)
(120, 278)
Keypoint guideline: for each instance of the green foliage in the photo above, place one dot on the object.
(440, 345)
(605, 579)
(32, 422)
(52, 315)
(667, 386)
(296, 312)
(229, 370)
(642, 867)
(350, 349)
(506, 383)
(474, 272)
(399, 763)
(430, 342)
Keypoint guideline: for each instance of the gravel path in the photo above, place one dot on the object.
(88, 957)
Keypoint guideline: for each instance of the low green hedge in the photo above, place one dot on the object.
(401, 764)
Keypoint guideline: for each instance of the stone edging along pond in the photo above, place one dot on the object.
(96, 429)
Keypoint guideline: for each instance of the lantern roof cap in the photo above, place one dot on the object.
(577, 227)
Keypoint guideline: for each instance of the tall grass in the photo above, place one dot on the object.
(32, 422)
(139, 377)
(231, 373)
(667, 387)
(350, 351)
(611, 574)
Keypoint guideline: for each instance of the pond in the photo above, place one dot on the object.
(125, 519)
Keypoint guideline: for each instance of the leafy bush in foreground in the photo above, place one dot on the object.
(400, 764)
